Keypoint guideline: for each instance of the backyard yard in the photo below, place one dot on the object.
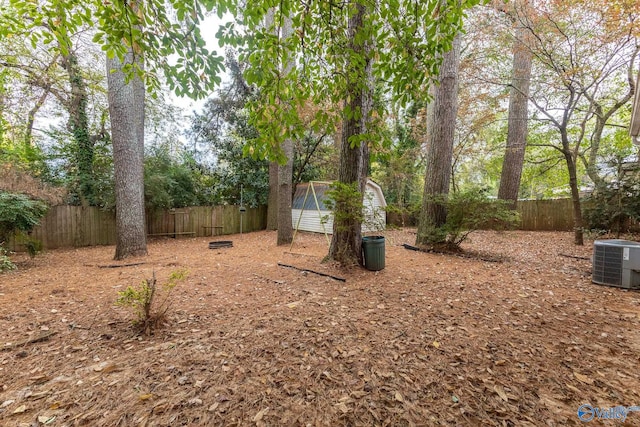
(516, 335)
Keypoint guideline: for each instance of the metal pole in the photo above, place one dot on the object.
(241, 212)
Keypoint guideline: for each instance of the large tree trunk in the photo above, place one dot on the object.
(441, 123)
(126, 109)
(354, 161)
(578, 230)
(272, 199)
(518, 117)
(285, 171)
(285, 177)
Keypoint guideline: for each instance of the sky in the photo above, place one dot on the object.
(208, 28)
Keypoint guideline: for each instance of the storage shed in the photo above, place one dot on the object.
(309, 212)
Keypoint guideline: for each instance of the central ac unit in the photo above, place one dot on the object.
(616, 263)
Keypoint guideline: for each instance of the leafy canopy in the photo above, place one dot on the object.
(166, 33)
(407, 40)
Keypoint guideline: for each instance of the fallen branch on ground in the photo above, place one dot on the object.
(120, 265)
(314, 272)
(575, 257)
(43, 336)
(413, 248)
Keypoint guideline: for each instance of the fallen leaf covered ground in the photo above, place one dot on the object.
(430, 340)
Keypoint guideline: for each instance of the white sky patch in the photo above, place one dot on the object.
(208, 28)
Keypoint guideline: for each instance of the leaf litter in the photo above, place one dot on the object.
(432, 339)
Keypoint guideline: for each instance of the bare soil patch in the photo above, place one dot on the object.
(430, 340)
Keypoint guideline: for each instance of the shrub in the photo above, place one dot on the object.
(34, 247)
(473, 210)
(150, 302)
(18, 213)
(5, 262)
(612, 207)
(469, 211)
(345, 200)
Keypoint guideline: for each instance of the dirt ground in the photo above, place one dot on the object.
(430, 340)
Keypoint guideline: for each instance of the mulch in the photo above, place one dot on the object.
(432, 339)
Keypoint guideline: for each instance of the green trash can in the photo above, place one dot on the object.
(373, 251)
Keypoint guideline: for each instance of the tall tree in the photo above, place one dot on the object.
(518, 107)
(79, 127)
(441, 122)
(354, 151)
(406, 38)
(37, 69)
(123, 29)
(285, 169)
(126, 109)
(586, 55)
(273, 206)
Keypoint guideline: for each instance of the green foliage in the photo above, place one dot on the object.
(149, 301)
(173, 180)
(610, 207)
(29, 157)
(315, 158)
(225, 128)
(165, 32)
(405, 41)
(471, 210)
(345, 200)
(545, 173)
(398, 166)
(18, 213)
(33, 246)
(5, 261)
(61, 158)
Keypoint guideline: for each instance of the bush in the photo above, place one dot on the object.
(403, 216)
(34, 247)
(18, 213)
(613, 207)
(345, 200)
(469, 211)
(149, 302)
(5, 262)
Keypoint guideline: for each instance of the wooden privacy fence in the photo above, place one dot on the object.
(536, 215)
(546, 215)
(75, 226)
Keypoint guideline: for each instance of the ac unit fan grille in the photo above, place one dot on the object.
(607, 265)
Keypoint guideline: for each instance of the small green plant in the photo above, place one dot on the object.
(150, 301)
(345, 200)
(5, 262)
(33, 246)
(18, 215)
